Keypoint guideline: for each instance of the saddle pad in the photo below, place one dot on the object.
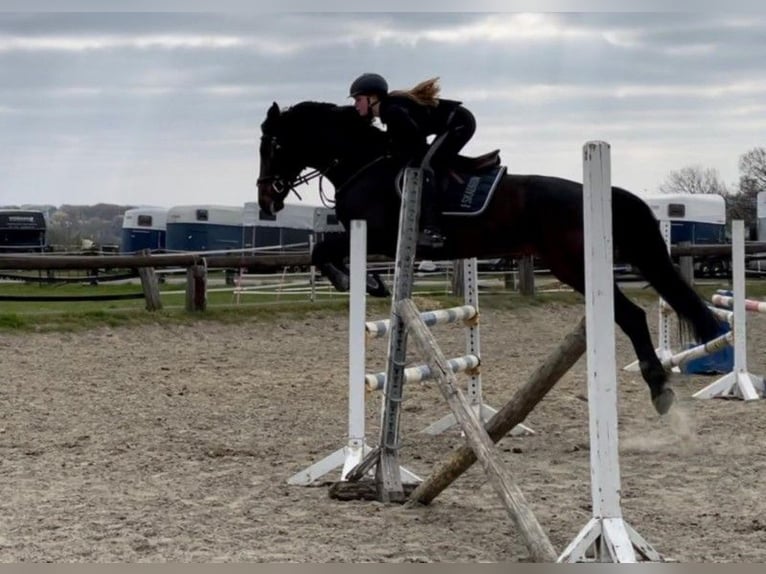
(472, 196)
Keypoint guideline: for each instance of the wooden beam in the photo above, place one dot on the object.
(535, 538)
(256, 262)
(515, 411)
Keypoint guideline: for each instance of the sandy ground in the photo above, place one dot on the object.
(174, 444)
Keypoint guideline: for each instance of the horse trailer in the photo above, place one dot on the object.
(22, 230)
(143, 228)
(697, 219)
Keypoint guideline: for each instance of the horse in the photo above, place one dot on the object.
(526, 215)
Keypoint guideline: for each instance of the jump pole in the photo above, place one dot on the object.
(468, 364)
(606, 537)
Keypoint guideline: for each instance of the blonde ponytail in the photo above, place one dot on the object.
(426, 92)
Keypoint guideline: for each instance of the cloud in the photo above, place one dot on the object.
(118, 104)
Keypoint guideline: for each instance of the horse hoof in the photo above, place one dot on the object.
(664, 400)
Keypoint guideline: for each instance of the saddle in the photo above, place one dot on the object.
(467, 186)
(478, 163)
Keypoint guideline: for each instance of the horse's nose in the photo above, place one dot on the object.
(264, 200)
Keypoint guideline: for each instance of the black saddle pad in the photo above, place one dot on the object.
(471, 195)
(467, 196)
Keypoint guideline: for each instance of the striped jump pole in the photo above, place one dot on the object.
(739, 383)
(377, 329)
(468, 364)
(727, 302)
(702, 350)
(723, 314)
(606, 537)
(418, 373)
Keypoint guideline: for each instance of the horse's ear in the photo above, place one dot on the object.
(273, 111)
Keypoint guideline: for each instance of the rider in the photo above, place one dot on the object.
(411, 116)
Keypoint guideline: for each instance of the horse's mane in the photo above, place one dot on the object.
(322, 116)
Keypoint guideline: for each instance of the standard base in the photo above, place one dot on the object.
(737, 384)
(347, 457)
(609, 540)
(483, 412)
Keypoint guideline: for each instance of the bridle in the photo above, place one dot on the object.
(283, 186)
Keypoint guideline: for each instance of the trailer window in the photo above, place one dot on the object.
(676, 210)
(202, 215)
(144, 221)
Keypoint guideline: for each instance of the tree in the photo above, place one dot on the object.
(694, 179)
(752, 169)
(752, 181)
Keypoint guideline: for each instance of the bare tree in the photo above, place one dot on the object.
(752, 169)
(694, 179)
(752, 180)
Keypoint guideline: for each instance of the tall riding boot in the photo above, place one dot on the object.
(430, 232)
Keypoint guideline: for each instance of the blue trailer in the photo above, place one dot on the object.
(697, 218)
(143, 228)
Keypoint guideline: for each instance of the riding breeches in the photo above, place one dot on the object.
(460, 128)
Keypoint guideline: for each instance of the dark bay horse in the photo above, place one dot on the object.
(528, 214)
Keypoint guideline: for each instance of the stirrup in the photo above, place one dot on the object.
(431, 237)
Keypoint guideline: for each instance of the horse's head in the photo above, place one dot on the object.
(334, 140)
(280, 162)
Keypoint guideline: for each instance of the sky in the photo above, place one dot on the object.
(165, 108)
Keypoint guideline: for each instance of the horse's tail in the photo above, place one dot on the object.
(638, 242)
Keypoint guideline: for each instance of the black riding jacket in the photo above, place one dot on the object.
(409, 123)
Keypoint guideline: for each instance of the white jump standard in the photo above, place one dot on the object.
(356, 447)
(606, 537)
(739, 383)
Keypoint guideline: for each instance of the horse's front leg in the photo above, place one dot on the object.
(329, 257)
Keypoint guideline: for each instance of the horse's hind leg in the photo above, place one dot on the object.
(632, 320)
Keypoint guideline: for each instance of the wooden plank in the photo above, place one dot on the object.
(253, 262)
(535, 538)
(515, 411)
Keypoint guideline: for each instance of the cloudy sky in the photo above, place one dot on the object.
(165, 108)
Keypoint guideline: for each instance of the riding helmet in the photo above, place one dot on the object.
(368, 84)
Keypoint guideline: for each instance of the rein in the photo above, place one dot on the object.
(284, 188)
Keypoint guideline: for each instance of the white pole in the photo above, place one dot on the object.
(356, 344)
(351, 454)
(599, 325)
(606, 537)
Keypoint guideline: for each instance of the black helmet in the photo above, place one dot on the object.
(368, 84)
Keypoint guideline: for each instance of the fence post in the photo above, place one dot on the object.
(458, 288)
(196, 287)
(150, 286)
(527, 275)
